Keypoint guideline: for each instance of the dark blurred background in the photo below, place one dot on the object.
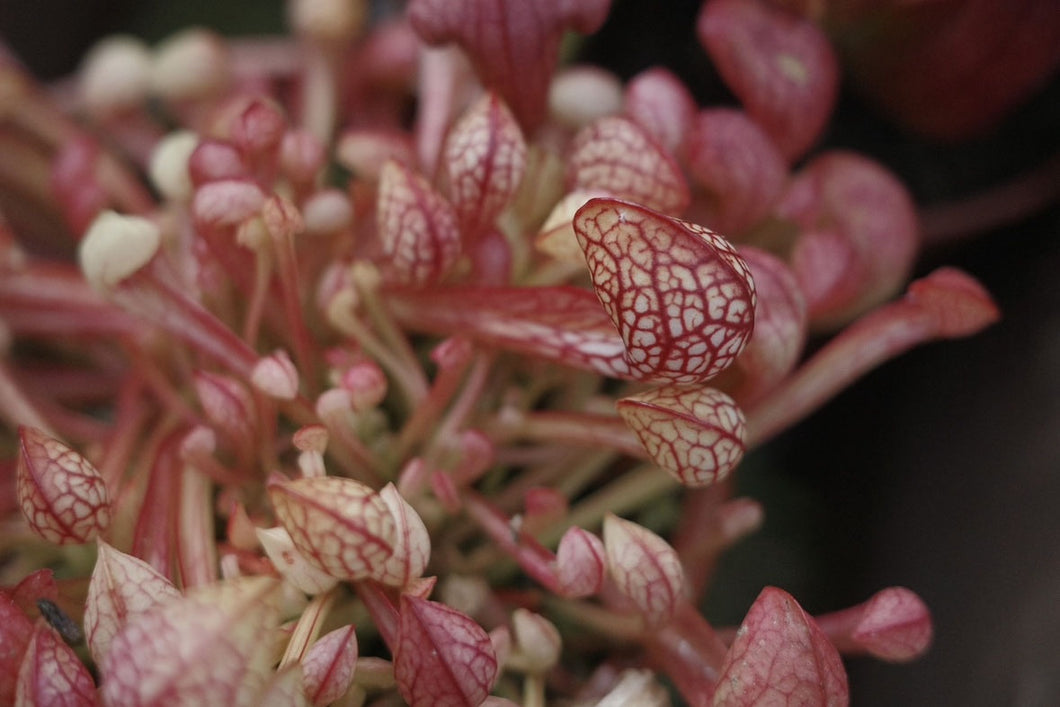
(939, 471)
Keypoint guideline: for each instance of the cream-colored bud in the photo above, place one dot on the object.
(190, 64)
(169, 164)
(579, 95)
(326, 212)
(328, 20)
(276, 376)
(115, 246)
(115, 75)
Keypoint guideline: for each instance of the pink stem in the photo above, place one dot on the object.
(535, 560)
(382, 610)
(877, 337)
(690, 652)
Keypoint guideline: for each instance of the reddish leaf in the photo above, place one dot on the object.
(563, 324)
(580, 563)
(681, 297)
(34, 587)
(781, 67)
(212, 647)
(781, 657)
(443, 658)
(52, 674)
(959, 305)
(485, 157)
(15, 633)
(737, 166)
(61, 494)
(513, 44)
(695, 434)
(417, 227)
(644, 568)
(896, 625)
(658, 102)
(122, 587)
(341, 526)
(780, 326)
(618, 156)
(328, 666)
(859, 234)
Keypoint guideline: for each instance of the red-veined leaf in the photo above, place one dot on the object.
(644, 568)
(681, 297)
(443, 658)
(695, 434)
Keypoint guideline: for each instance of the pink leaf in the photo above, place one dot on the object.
(210, 647)
(738, 168)
(485, 157)
(417, 227)
(341, 526)
(52, 674)
(618, 156)
(681, 297)
(896, 625)
(781, 657)
(580, 563)
(411, 542)
(61, 494)
(780, 326)
(781, 67)
(563, 324)
(959, 305)
(122, 587)
(443, 658)
(512, 44)
(695, 434)
(644, 568)
(15, 633)
(329, 665)
(658, 102)
(859, 234)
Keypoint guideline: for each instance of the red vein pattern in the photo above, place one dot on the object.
(781, 657)
(681, 297)
(485, 157)
(122, 586)
(695, 434)
(616, 155)
(52, 674)
(417, 227)
(644, 568)
(61, 494)
(443, 658)
(329, 665)
(339, 525)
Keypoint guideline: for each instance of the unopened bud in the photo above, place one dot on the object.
(115, 75)
(366, 383)
(169, 165)
(538, 640)
(115, 247)
(580, 95)
(227, 203)
(189, 65)
(276, 376)
(327, 211)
